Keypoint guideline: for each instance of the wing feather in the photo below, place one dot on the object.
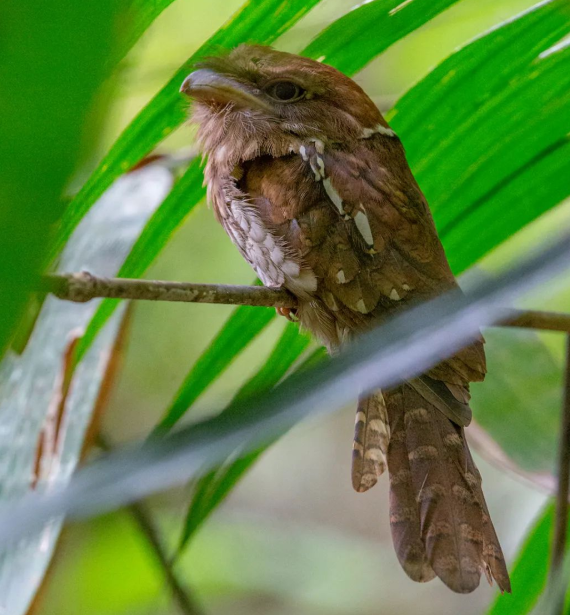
(356, 219)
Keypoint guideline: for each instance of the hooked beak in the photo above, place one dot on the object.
(208, 86)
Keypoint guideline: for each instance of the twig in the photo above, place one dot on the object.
(143, 519)
(185, 603)
(84, 286)
(561, 522)
(534, 319)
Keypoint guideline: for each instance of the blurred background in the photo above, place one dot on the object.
(293, 537)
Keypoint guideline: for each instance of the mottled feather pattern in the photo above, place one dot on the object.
(371, 438)
(404, 513)
(447, 496)
(274, 260)
(316, 193)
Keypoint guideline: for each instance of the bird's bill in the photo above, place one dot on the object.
(209, 86)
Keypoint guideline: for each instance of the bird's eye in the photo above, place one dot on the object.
(285, 91)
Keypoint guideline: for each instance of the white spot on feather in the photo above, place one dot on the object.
(330, 301)
(257, 232)
(394, 295)
(333, 195)
(361, 307)
(360, 417)
(377, 425)
(341, 279)
(221, 154)
(305, 282)
(321, 165)
(378, 129)
(290, 269)
(382, 130)
(316, 170)
(277, 255)
(319, 145)
(375, 454)
(243, 222)
(363, 226)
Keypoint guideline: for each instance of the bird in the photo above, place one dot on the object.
(313, 187)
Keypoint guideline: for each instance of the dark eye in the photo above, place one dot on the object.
(285, 91)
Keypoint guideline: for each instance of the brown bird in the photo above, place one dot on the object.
(313, 187)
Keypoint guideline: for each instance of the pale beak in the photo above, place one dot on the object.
(208, 86)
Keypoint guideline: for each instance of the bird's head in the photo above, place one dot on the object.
(256, 101)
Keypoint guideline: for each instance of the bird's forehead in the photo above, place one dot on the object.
(266, 57)
(254, 61)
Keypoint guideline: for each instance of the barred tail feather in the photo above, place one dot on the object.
(495, 566)
(404, 511)
(439, 518)
(371, 436)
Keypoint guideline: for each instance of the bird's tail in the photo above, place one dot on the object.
(371, 437)
(438, 515)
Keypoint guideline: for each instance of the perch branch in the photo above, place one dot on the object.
(84, 286)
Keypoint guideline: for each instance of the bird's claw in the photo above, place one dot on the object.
(289, 313)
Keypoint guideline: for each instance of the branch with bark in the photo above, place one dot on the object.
(84, 286)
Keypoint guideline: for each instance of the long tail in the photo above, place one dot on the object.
(438, 515)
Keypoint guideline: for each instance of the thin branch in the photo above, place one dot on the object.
(561, 523)
(181, 596)
(534, 319)
(143, 519)
(84, 286)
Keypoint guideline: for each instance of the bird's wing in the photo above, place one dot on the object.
(360, 223)
(266, 250)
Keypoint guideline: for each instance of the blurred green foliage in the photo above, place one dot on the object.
(530, 569)
(52, 105)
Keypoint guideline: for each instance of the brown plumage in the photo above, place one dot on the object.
(313, 187)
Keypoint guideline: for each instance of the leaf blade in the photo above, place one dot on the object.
(240, 329)
(213, 488)
(65, 76)
(398, 350)
(356, 38)
(47, 399)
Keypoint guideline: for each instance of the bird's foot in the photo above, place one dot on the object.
(289, 313)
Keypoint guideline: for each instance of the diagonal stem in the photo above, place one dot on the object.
(143, 519)
(141, 516)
